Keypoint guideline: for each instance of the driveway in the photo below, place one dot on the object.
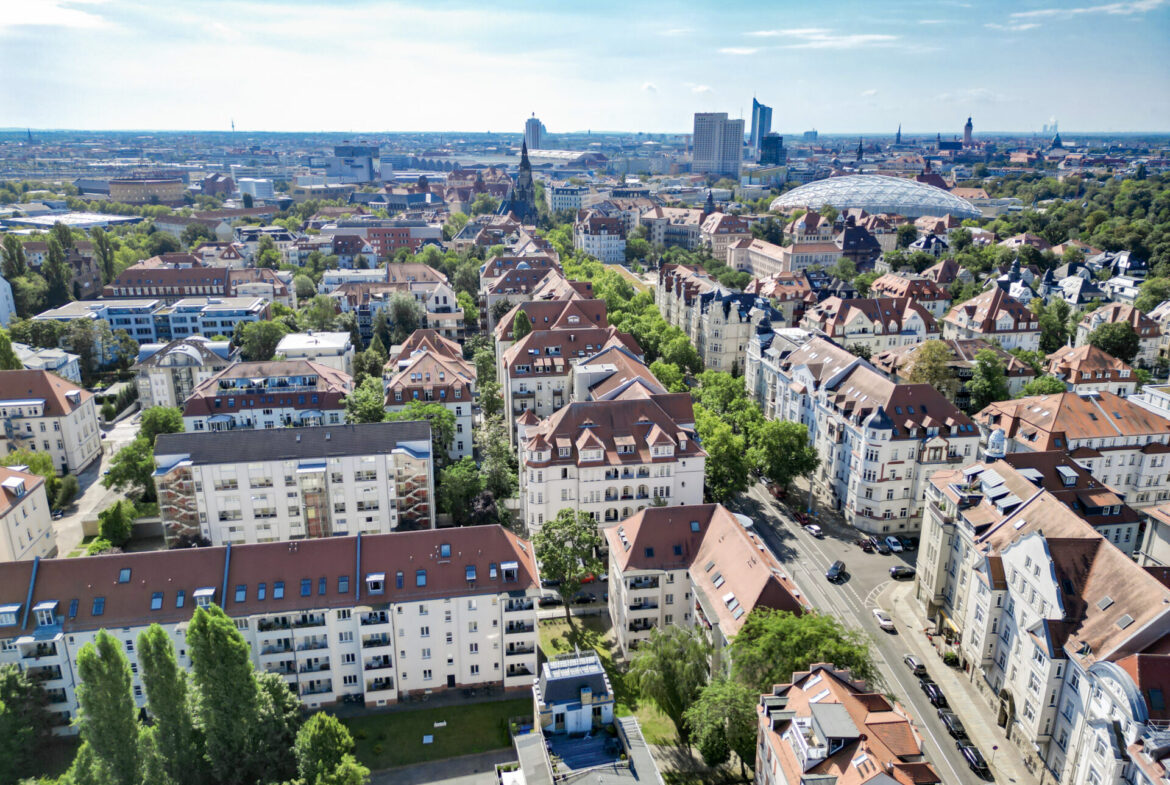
(468, 770)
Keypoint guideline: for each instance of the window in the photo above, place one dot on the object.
(445, 551)
(278, 590)
(261, 591)
(426, 654)
(426, 675)
(124, 575)
(342, 584)
(73, 609)
(306, 587)
(180, 598)
(420, 578)
(99, 606)
(424, 632)
(473, 648)
(241, 592)
(156, 601)
(470, 572)
(322, 586)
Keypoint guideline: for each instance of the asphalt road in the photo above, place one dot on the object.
(853, 600)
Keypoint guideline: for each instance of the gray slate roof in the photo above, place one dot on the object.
(283, 444)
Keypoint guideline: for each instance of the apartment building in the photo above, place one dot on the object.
(610, 458)
(564, 196)
(873, 324)
(233, 488)
(522, 285)
(600, 236)
(927, 293)
(718, 144)
(1089, 369)
(1119, 442)
(897, 363)
(171, 280)
(335, 350)
(720, 231)
(534, 371)
(611, 373)
(691, 565)
(723, 322)
(1042, 611)
(26, 526)
(758, 257)
(1149, 332)
(265, 395)
(373, 618)
(673, 227)
(153, 321)
(166, 374)
(44, 413)
(994, 316)
(431, 376)
(788, 293)
(550, 315)
(825, 726)
(677, 291)
(64, 364)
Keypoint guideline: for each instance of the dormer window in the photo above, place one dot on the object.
(376, 582)
(204, 596)
(46, 613)
(8, 614)
(511, 570)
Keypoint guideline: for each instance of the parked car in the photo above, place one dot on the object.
(914, 664)
(884, 620)
(836, 572)
(934, 694)
(879, 546)
(58, 515)
(894, 544)
(550, 601)
(865, 545)
(584, 598)
(801, 518)
(814, 530)
(974, 759)
(777, 491)
(901, 572)
(953, 723)
(908, 543)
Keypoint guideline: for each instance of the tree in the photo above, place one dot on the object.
(62, 234)
(485, 365)
(86, 339)
(1152, 293)
(567, 548)
(8, 359)
(490, 399)
(25, 726)
(844, 269)
(160, 419)
(780, 450)
(278, 720)
(988, 382)
(669, 376)
(39, 463)
(58, 275)
(1053, 322)
(863, 282)
(133, 467)
(319, 313)
(459, 484)
(152, 763)
(367, 403)
(322, 746)
(521, 325)
(454, 225)
(68, 491)
(229, 699)
(727, 461)
(196, 233)
(864, 351)
(15, 262)
(500, 309)
(1117, 339)
(258, 340)
(267, 254)
(467, 305)
(726, 710)
(770, 230)
(103, 253)
(161, 242)
(680, 352)
(774, 644)
(906, 234)
(116, 522)
(304, 287)
(671, 668)
(442, 422)
(484, 204)
(1043, 385)
(249, 200)
(931, 364)
(497, 459)
(171, 707)
(107, 715)
(406, 315)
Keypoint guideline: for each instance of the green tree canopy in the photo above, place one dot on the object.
(107, 716)
(727, 461)
(521, 325)
(160, 419)
(133, 467)
(724, 718)
(459, 484)
(172, 711)
(441, 420)
(319, 313)
(931, 364)
(988, 382)
(1152, 293)
(1117, 339)
(669, 375)
(367, 403)
(774, 644)
(1043, 385)
(567, 548)
(258, 340)
(8, 359)
(780, 450)
(322, 746)
(25, 725)
(670, 669)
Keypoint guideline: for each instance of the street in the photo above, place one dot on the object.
(867, 586)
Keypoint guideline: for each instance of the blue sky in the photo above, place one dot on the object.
(349, 65)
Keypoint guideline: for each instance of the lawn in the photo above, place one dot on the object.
(395, 738)
(593, 632)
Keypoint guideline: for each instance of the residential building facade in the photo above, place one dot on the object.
(167, 374)
(26, 527)
(266, 395)
(44, 413)
(994, 316)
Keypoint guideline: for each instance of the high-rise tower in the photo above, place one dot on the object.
(761, 124)
(967, 132)
(718, 144)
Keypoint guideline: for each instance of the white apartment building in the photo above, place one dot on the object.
(878, 441)
(722, 324)
(1149, 331)
(721, 230)
(874, 324)
(600, 236)
(267, 395)
(1121, 443)
(334, 350)
(58, 361)
(994, 316)
(564, 196)
(295, 483)
(7, 303)
(44, 413)
(758, 257)
(1043, 611)
(611, 458)
(168, 373)
(257, 187)
(430, 375)
(718, 144)
(691, 565)
(375, 618)
(26, 527)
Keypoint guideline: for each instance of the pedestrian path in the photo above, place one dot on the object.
(1006, 763)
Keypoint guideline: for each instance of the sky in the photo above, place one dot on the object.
(485, 65)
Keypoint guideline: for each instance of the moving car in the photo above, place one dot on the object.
(974, 759)
(884, 620)
(934, 694)
(813, 529)
(901, 572)
(836, 572)
(953, 723)
(894, 544)
(914, 664)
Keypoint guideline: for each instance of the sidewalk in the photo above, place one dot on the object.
(964, 699)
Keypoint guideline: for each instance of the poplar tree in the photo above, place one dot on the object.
(168, 700)
(107, 714)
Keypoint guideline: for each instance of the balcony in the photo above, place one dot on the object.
(282, 669)
(379, 685)
(312, 644)
(267, 625)
(56, 695)
(41, 650)
(646, 605)
(517, 649)
(319, 667)
(377, 617)
(641, 625)
(639, 584)
(379, 663)
(310, 620)
(280, 647)
(317, 689)
(374, 641)
(519, 605)
(519, 628)
(44, 673)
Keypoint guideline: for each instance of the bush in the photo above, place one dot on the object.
(108, 411)
(951, 659)
(67, 491)
(115, 522)
(98, 547)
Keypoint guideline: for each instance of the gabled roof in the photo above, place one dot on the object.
(1037, 422)
(982, 312)
(555, 315)
(46, 386)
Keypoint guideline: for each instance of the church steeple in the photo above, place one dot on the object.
(859, 149)
(898, 136)
(710, 208)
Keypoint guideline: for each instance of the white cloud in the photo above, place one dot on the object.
(50, 13)
(869, 93)
(932, 21)
(1012, 27)
(649, 87)
(1116, 9)
(701, 88)
(800, 31)
(823, 39)
(738, 50)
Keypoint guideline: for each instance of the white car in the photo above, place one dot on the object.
(883, 619)
(895, 544)
(813, 529)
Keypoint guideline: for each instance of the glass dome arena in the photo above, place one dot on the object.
(877, 193)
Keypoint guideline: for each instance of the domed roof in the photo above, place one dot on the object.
(877, 193)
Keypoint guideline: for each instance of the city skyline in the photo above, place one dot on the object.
(269, 66)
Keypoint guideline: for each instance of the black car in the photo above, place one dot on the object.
(909, 543)
(550, 601)
(974, 759)
(879, 545)
(585, 598)
(935, 695)
(953, 723)
(836, 572)
(901, 572)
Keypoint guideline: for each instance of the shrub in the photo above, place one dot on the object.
(98, 546)
(108, 411)
(951, 659)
